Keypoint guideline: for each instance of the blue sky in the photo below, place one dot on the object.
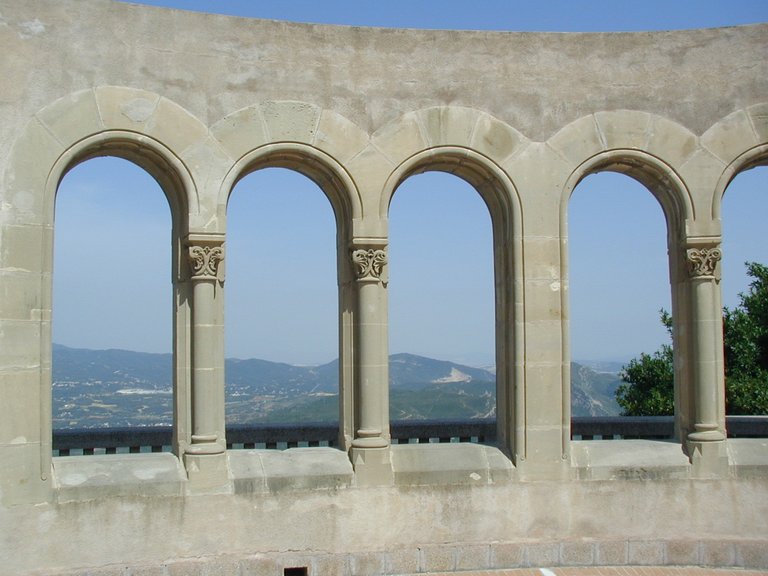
(282, 303)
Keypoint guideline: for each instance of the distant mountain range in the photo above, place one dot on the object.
(99, 388)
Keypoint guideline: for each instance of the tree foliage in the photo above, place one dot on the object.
(648, 381)
(746, 347)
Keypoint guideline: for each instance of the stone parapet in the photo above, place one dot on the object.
(746, 554)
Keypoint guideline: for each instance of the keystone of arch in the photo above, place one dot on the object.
(289, 121)
(447, 126)
(624, 129)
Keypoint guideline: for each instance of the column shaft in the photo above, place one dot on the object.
(372, 387)
(207, 381)
(706, 321)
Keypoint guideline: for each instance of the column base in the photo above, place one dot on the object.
(706, 433)
(708, 459)
(373, 466)
(207, 473)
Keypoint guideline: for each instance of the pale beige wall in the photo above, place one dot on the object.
(199, 101)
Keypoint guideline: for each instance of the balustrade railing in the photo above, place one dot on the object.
(90, 441)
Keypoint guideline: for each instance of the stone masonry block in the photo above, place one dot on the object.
(24, 180)
(241, 131)
(23, 248)
(473, 557)
(543, 341)
(683, 553)
(339, 137)
(448, 126)
(496, 139)
(323, 564)
(730, 137)
(19, 344)
(72, 117)
(646, 553)
(624, 128)
(221, 566)
(438, 559)
(403, 561)
(368, 563)
(577, 553)
(371, 168)
(20, 411)
(611, 553)
(507, 555)
(541, 555)
(258, 565)
(578, 141)
(669, 141)
(701, 172)
(186, 567)
(718, 553)
(124, 108)
(758, 114)
(543, 300)
(175, 127)
(291, 121)
(752, 554)
(400, 139)
(542, 258)
(20, 297)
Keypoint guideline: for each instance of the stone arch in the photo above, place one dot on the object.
(313, 163)
(132, 124)
(740, 140)
(147, 153)
(501, 197)
(655, 174)
(137, 125)
(675, 199)
(345, 200)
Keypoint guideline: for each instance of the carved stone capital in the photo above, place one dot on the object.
(369, 263)
(204, 261)
(702, 262)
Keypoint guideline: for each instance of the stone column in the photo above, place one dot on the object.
(370, 447)
(205, 456)
(706, 442)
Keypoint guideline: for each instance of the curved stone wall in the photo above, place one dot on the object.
(200, 101)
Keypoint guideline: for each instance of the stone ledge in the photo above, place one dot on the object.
(261, 471)
(628, 460)
(113, 475)
(748, 457)
(471, 464)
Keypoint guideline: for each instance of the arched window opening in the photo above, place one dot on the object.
(618, 284)
(744, 263)
(112, 298)
(441, 301)
(281, 310)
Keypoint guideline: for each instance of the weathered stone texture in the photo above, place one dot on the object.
(199, 101)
